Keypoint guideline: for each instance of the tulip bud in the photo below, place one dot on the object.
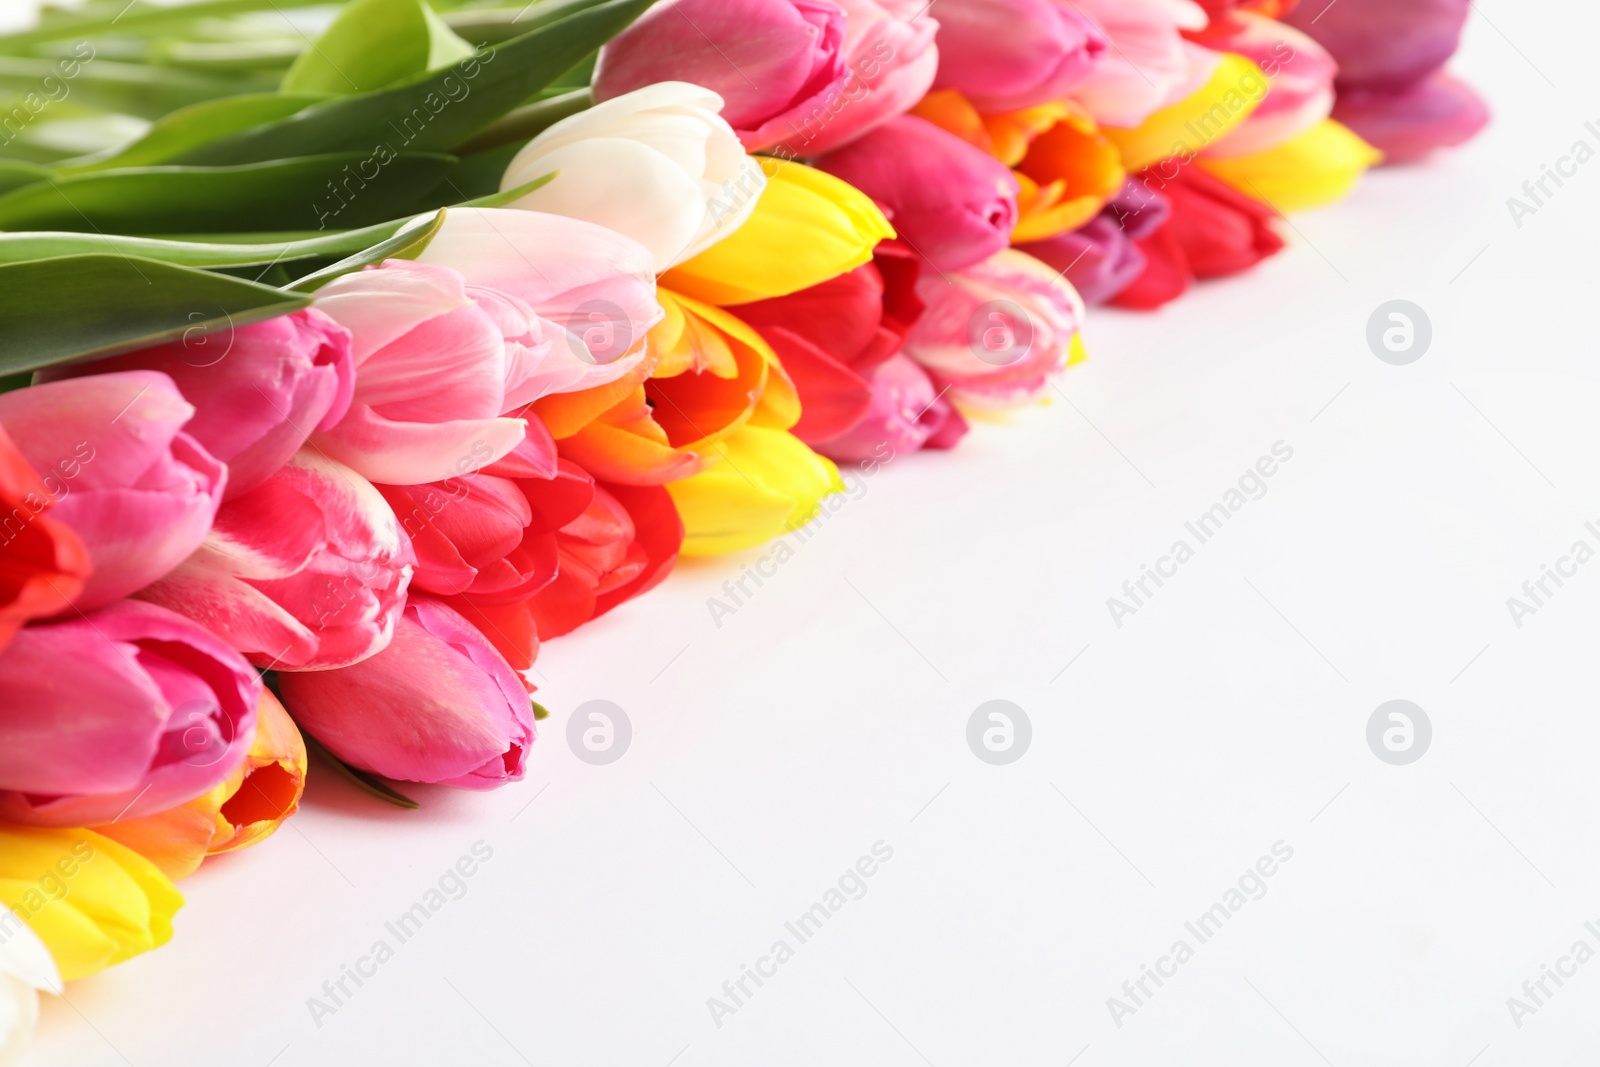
(93, 902)
(134, 486)
(908, 412)
(438, 705)
(1148, 65)
(951, 202)
(124, 712)
(25, 969)
(1005, 55)
(305, 572)
(259, 391)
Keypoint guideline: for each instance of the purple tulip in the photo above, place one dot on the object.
(130, 482)
(118, 714)
(954, 204)
(260, 391)
(438, 705)
(1005, 55)
(1101, 257)
(1385, 44)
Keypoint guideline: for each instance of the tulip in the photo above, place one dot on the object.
(438, 705)
(1102, 257)
(658, 164)
(245, 808)
(25, 969)
(124, 712)
(951, 202)
(1316, 168)
(258, 391)
(1300, 73)
(488, 534)
(306, 572)
(1149, 65)
(799, 76)
(1200, 119)
(824, 226)
(1406, 125)
(93, 902)
(998, 331)
(1005, 55)
(573, 300)
(830, 336)
(1385, 44)
(44, 563)
(907, 412)
(134, 486)
(764, 483)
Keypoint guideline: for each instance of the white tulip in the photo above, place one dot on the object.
(25, 968)
(659, 164)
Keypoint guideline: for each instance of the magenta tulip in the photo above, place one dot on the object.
(1440, 111)
(305, 572)
(1385, 44)
(1005, 55)
(438, 705)
(954, 204)
(118, 714)
(908, 412)
(130, 482)
(892, 59)
(259, 391)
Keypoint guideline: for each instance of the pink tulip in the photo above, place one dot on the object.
(908, 412)
(438, 705)
(803, 75)
(1149, 65)
(259, 391)
(118, 714)
(954, 204)
(1300, 74)
(997, 335)
(1385, 44)
(573, 300)
(1440, 111)
(1005, 55)
(131, 483)
(305, 572)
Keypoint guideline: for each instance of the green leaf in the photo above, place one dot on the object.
(529, 121)
(306, 193)
(17, 247)
(369, 783)
(440, 110)
(131, 88)
(199, 124)
(15, 174)
(121, 17)
(540, 712)
(85, 307)
(407, 244)
(374, 44)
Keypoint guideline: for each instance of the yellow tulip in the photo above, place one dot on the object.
(244, 808)
(806, 228)
(1316, 168)
(1183, 129)
(764, 483)
(92, 901)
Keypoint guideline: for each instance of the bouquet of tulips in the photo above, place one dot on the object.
(339, 376)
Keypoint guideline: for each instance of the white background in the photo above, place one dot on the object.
(830, 713)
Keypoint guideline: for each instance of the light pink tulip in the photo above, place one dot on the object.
(999, 332)
(122, 713)
(1006, 55)
(130, 482)
(1149, 65)
(438, 705)
(305, 572)
(1300, 75)
(259, 391)
(572, 299)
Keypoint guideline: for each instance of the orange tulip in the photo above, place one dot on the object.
(247, 807)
